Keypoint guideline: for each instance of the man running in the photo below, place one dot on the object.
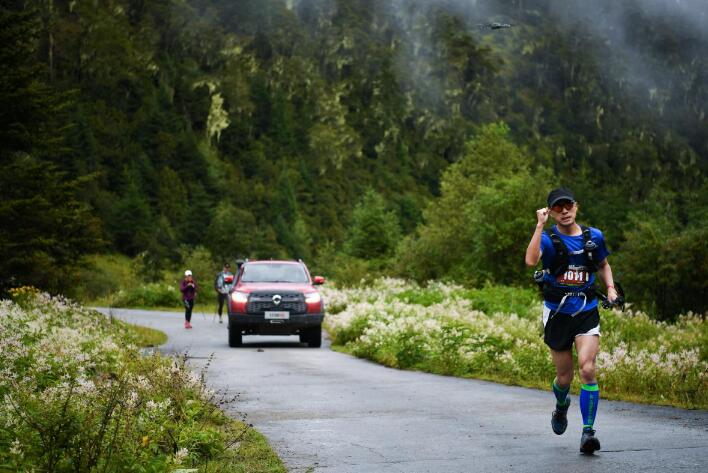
(571, 255)
(222, 284)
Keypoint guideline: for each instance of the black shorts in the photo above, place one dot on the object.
(561, 329)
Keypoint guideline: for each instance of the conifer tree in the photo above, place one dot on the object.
(44, 228)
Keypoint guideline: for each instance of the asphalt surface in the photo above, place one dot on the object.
(324, 411)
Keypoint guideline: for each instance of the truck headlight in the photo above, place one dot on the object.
(313, 298)
(239, 296)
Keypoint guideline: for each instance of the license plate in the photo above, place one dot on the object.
(271, 315)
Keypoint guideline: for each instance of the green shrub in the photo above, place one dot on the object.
(374, 230)
(424, 297)
(148, 295)
(352, 331)
(342, 269)
(104, 275)
(490, 299)
(203, 265)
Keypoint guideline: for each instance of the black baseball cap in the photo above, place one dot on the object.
(561, 193)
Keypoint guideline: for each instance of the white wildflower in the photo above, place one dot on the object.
(181, 455)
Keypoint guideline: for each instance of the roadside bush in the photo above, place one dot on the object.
(24, 295)
(78, 396)
(496, 333)
(148, 295)
(491, 299)
(352, 331)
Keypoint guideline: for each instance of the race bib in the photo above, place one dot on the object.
(574, 276)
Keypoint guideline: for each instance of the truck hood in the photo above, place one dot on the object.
(274, 286)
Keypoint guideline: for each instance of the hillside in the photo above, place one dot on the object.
(254, 127)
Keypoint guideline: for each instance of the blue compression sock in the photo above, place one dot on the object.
(561, 393)
(589, 398)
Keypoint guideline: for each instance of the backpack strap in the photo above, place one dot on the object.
(560, 262)
(590, 250)
(556, 294)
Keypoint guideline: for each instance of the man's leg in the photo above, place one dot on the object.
(587, 347)
(563, 361)
(222, 299)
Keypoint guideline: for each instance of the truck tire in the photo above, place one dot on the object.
(235, 336)
(314, 339)
(304, 335)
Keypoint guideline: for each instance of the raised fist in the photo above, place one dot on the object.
(542, 215)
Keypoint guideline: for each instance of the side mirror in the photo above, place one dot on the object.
(319, 280)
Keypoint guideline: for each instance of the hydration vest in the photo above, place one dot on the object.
(559, 266)
(560, 262)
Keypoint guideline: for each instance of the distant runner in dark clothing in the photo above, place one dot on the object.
(189, 288)
(571, 254)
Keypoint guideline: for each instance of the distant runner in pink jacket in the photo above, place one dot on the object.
(189, 288)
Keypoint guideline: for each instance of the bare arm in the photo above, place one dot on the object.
(533, 252)
(605, 272)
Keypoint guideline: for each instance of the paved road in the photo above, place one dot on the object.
(328, 412)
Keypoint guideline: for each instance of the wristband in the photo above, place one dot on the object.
(610, 286)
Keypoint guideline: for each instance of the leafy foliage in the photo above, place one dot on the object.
(665, 266)
(477, 229)
(374, 231)
(253, 127)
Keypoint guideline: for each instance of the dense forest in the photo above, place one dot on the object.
(404, 137)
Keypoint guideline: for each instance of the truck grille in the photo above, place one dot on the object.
(259, 303)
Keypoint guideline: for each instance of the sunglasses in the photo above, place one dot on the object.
(567, 205)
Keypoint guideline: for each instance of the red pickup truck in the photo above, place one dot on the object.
(276, 298)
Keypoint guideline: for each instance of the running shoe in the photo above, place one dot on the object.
(559, 418)
(588, 442)
(187, 325)
(220, 321)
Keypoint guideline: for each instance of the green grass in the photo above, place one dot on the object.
(177, 310)
(247, 450)
(144, 336)
(254, 455)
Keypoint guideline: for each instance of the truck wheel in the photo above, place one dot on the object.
(235, 337)
(314, 340)
(304, 335)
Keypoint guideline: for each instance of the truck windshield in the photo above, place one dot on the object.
(274, 272)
